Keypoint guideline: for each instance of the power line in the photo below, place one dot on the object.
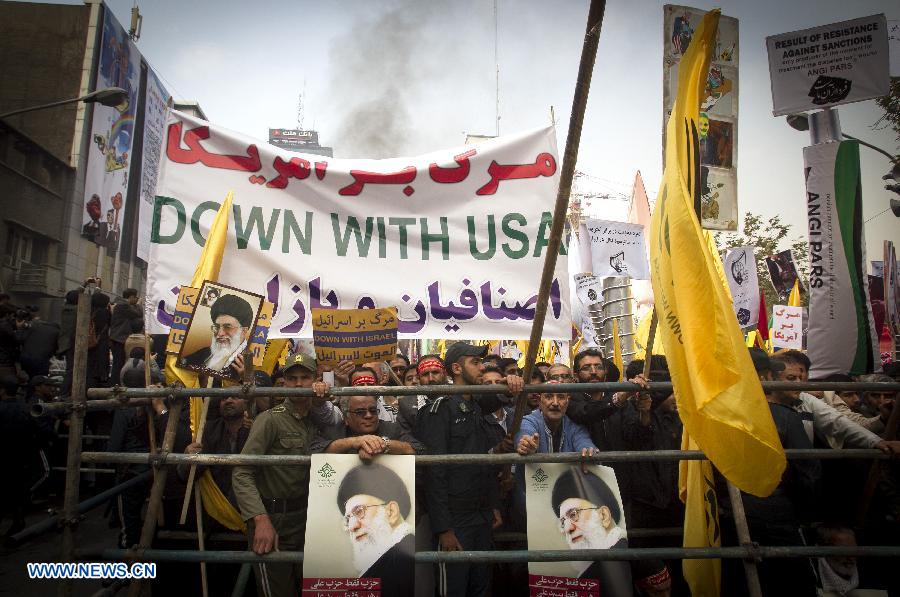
(876, 215)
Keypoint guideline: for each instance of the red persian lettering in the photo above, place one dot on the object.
(362, 178)
(297, 168)
(544, 165)
(196, 153)
(453, 174)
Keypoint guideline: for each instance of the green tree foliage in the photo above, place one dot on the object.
(891, 106)
(769, 237)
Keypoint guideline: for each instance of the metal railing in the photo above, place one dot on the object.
(119, 397)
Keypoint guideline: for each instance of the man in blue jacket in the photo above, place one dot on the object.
(549, 430)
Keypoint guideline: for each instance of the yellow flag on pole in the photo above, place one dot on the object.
(617, 349)
(794, 297)
(719, 395)
(214, 502)
(701, 521)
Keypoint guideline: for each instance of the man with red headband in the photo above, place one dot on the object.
(430, 371)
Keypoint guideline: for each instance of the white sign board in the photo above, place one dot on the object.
(740, 271)
(455, 239)
(617, 249)
(828, 66)
(588, 288)
(787, 327)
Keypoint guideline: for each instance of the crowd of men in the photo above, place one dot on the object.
(467, 507)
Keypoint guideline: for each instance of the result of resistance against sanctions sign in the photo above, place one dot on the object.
(455, 239)
(828, 66)
(358, 335)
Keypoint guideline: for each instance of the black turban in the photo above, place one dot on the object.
(375, 480)
(586, 486)
(234, 306)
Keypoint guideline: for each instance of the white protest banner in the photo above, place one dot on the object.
(588, 288)
(455, 239)
(155, 115)
(827, 66)
(787, 327)
(840, 312)
(740, 271)
(617, 249)
(112, 134)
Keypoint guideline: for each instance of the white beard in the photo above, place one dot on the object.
(594, 536)
(219, 353)
(380, 538)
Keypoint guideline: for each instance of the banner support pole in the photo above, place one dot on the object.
(567, 174)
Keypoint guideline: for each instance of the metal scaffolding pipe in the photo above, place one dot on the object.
(442, 390)
(53, 522)
(442, 459)
(557, 555)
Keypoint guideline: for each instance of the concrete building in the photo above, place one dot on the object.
(48, 53)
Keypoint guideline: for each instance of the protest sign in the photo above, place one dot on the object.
(718, 123)
(220, 328)
(155, 115)
(891, 290)
(571, 509)
(787, 327)
(783, 273)
(455, 239)
(184, 310)
(112, 134)
(588, 288)
(617, 249)
(358, 335)
(840, 312)
(360, 520)
(827, 66)
(740, 271)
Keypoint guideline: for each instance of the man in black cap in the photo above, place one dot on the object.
(463, 500)
(232, 319)
(375, 505)
(589, 516)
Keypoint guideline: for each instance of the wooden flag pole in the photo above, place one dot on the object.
(566, 175)
(204, 411)
(201, 541)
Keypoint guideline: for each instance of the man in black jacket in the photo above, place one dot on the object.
(125, 310)
(463, 500)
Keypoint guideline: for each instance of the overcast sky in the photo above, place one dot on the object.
(401, 78)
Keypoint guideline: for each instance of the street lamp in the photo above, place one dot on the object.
(828, 120)
(109, 96)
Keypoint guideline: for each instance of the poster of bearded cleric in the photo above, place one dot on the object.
(219, 330)
(571, 509)
(361, 522)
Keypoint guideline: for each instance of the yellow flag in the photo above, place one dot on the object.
(274, 353)
(751, 339)
(617, 349)
(640, 338)
(719, 396)
(214, 502)
(701, 521)
(794, 297)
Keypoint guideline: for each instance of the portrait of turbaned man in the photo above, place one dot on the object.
(578, 508)
(361, 520)
(219, 329)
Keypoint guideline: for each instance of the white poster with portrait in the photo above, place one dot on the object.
(618, 249)
(570, 507)
(360, 530)
(740, 271)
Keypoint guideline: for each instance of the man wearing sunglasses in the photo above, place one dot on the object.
(364, 433)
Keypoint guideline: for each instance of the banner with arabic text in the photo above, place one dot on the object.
(618, 249)
(787, 327)
(155, 115)
(358, 335)
(456, 239)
